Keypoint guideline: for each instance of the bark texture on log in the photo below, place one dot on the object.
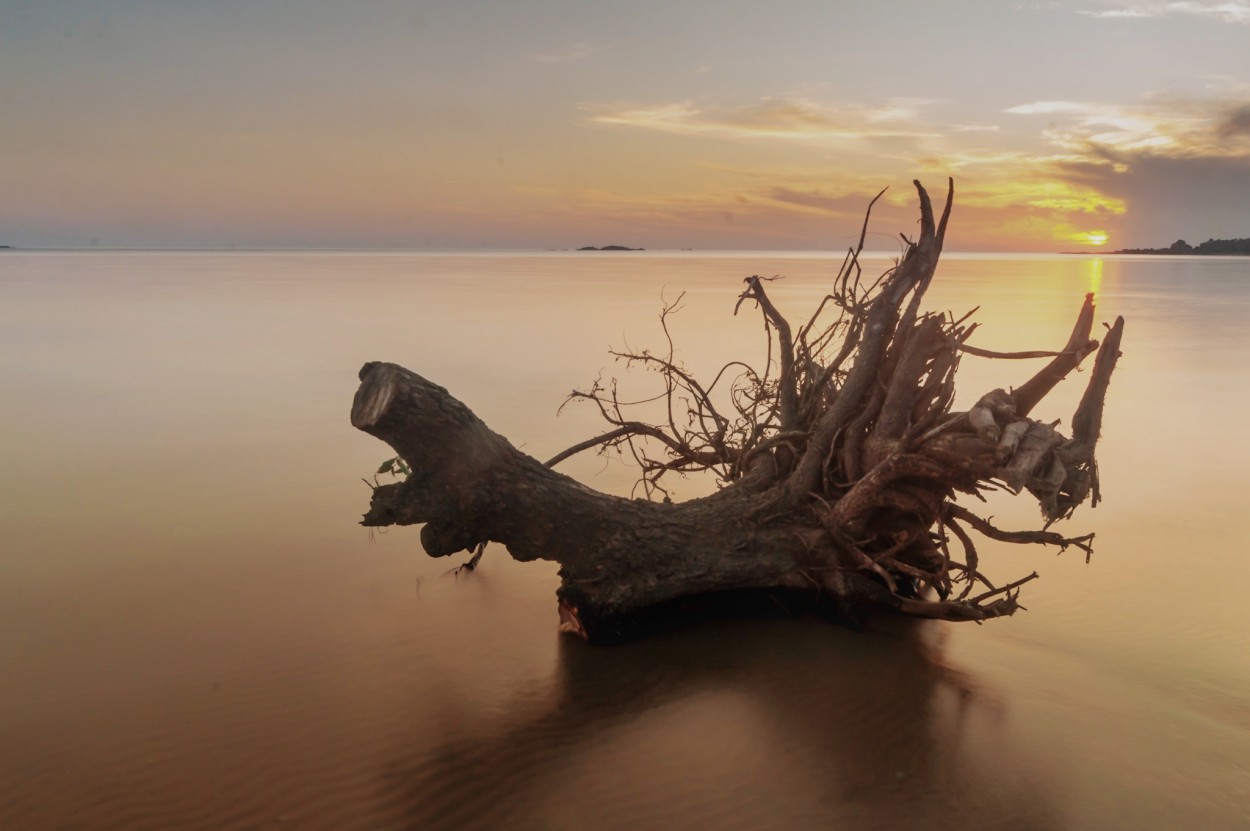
(839, 483)
(618, 556)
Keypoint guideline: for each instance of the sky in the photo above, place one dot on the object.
(707, 124)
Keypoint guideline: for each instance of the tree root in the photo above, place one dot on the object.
(839, 461)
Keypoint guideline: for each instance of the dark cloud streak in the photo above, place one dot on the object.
(1168, 198)
(1236, 123)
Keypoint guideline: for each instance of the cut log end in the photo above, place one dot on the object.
(374, 397)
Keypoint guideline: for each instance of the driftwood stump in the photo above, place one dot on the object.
(839, 462)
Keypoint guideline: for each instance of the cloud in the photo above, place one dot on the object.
(1018, 180)
(1170, 198)
(1236, 123)
(781, 118)
(1064, 167)
(1161, 126)
(1177, 166)
(1049, 108)
(1014, 196)
(1231, 12)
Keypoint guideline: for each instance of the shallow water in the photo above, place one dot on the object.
(195, 633)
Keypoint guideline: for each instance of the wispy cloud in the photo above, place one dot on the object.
(1049, 108)
(1162, 126)
(1230, 12)
(1017, 180)
(782, 118)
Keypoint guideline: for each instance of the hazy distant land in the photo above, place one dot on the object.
(1211, 246)
(610, 248)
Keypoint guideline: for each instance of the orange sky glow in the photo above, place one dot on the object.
(555, 124)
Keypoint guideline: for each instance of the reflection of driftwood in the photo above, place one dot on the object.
(840, 462)
(830, 730)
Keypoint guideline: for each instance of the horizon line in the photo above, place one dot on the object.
(506, 250)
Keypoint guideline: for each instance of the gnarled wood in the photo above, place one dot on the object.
(839, 485)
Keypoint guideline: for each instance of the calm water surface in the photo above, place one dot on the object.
(194, 632)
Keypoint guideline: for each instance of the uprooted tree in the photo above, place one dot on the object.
(839, 464)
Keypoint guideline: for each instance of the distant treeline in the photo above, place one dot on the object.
(1211, 246)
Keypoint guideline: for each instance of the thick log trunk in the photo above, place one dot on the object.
(840, 489)
(618, 556)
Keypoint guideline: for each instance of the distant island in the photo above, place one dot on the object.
(610, 248)
(1211, 246)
